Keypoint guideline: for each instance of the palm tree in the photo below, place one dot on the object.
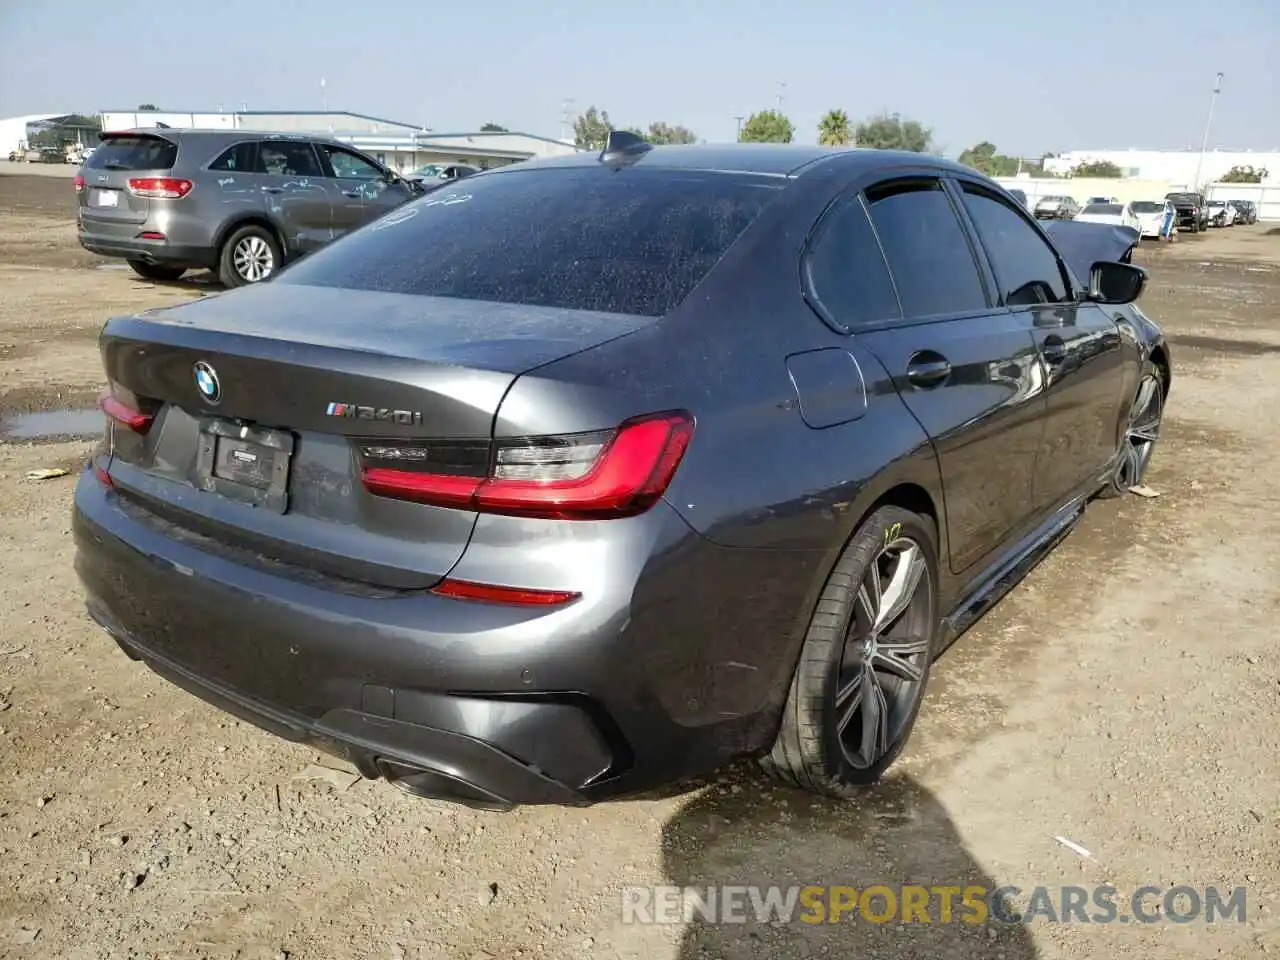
(834, 129)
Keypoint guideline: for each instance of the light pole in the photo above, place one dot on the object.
(324, 96)
(739, 119)
(1204, 144)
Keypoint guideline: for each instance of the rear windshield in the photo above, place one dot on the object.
(630, 241)
(1147, 206)
(1108, 208)
(133, 153)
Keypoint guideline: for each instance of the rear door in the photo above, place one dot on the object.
(296, 193)
(967, 371)
(1078, 342)
(106, 203)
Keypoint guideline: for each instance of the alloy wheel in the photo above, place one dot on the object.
(886, 653)
(1142, 433)
(253, 259)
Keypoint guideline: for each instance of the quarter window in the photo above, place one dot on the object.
(847, 270)
(929, 255)
(1026, 268)
(239, 158)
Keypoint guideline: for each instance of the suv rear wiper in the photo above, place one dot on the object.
(114, 165)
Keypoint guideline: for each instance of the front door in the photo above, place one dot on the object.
(967, 371)
(295, 193)
(1078, 343)
(364, 191)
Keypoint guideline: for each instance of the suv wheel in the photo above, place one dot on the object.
(156, 271)
(250, 255)
(865, 661)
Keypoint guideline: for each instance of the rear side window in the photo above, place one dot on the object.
(133, 153)
(1025, 266)
(288, 158)
(241, 158)
(846, 269)
(618, 241)
(927, 249)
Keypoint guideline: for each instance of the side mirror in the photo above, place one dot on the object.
(1112, 282)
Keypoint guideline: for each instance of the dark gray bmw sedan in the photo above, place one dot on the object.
(582, 476)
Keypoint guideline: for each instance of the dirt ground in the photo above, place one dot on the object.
(1125, 697)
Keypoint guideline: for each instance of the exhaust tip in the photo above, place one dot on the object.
(434, 785)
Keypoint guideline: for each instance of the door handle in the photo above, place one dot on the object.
(928, 373)
(1055, 350)
(273, 189)
(353, 194)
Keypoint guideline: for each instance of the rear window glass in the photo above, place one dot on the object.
(630, 241)
(133, 153)
(1106, 208)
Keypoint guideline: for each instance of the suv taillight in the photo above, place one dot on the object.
(159, 188)
(583, 476)
(78, 182)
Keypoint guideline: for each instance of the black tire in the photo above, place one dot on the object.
(1142, 433)
(809, 752)
(250, 240)
(156, 271)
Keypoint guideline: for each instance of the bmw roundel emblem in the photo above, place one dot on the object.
(207, 382)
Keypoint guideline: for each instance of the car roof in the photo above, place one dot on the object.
(762, 159)
(176, 134)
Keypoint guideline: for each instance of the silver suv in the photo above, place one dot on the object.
(239, 203)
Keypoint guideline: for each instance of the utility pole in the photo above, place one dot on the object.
(739, 119)
(566, 123)
(1204, 144)
(782, 93)
(324, 97)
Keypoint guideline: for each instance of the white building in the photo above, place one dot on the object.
(401, 146)
(1178, 167)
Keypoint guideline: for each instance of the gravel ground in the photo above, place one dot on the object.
(1125, 697)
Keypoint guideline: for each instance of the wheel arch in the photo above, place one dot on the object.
(1160, 360)
(257, 219)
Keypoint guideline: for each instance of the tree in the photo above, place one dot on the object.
(492, 128)
(1096, 168)
(1244, 174)
(591, 129)
(834, 129)
(767, 126)
(148, 107)
(983, 157)
(662, 133)
(888, 131)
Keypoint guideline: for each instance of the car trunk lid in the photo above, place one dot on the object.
(263, 401)
(119, 159)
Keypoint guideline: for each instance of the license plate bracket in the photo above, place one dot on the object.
(246, 463)
(106, 198)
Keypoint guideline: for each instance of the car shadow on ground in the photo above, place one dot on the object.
(742, 831)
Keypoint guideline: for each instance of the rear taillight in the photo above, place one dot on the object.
(584, 476)
(127, 416)
(494, 593)
(78, 182)
(159, 188)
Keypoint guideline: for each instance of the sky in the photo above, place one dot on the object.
(1028, 77)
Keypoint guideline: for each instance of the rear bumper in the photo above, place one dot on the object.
(149, 251)
(480, 704)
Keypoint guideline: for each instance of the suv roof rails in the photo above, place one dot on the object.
(624, 145)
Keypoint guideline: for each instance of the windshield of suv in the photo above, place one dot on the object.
(1147, 206)
(630, 241)
(1110, 209)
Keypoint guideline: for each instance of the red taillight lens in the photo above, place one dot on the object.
(125, 415)
(78, 182)
(492, 593)
(159, 188)
(587, 476)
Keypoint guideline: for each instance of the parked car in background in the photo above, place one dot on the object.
(1093, 200)
(240, 203)
(1220, 213)
(1116, 214)
(497, 541)
(435, 175)
(1246, 211)
(1151, 215)
(1192, 213)
(1056, 208)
